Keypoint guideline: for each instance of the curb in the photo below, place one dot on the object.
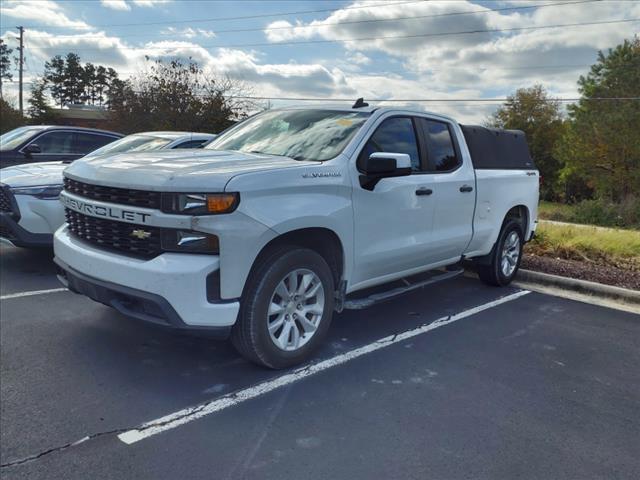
(582, 286)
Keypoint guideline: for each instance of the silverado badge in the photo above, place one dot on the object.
(140, 234)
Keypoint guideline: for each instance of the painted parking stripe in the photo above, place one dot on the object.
(32, 293)
(190, 414)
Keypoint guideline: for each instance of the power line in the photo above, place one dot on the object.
(426, 70)
(390, 37)
(375, 20)
(132, 73)
(245, 17)
(452, 101)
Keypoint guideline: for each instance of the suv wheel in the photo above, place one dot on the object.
(286, 309)
(499, 268)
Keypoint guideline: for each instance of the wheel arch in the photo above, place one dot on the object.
(521, 214)
(322, 240)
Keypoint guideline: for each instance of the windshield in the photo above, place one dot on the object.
(14, 138)
(299, 134)
(132, 143)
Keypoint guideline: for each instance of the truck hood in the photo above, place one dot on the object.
(33, 174)
(175, 170)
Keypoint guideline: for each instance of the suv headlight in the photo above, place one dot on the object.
(200, 203)
(45, 192)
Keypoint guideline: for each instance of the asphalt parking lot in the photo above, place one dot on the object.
(503, 385)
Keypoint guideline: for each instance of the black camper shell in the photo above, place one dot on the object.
(493, 148)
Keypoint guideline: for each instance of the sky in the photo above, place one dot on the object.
(383, 49)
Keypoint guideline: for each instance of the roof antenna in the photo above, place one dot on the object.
(360, 103)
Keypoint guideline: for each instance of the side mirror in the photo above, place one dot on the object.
(31, 149)
(381, 165)
(385, 164)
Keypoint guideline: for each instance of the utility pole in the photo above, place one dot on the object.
(20, 65)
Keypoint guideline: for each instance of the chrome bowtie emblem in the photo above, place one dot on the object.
(140, 234)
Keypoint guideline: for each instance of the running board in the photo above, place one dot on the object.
(365, 302)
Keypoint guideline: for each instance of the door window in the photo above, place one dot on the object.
(88, 142)
(440, 150)
(394, 135)
(55, 143)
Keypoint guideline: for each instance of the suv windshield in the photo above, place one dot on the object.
(132, 143)
(299, 134)
(14, 138)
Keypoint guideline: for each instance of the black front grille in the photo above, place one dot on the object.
(122, 196)
(115, 235)
(6, 201)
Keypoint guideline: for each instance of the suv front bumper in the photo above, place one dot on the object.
(13, 233)
(170, 289)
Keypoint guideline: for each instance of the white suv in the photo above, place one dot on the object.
(29, 208)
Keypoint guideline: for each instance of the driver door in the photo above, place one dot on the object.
(392, 222)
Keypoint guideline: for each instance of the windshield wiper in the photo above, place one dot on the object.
(298, 158)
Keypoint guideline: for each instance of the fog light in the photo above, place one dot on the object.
(188, 241)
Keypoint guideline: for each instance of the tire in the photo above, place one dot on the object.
(265, 332)
(490, 268)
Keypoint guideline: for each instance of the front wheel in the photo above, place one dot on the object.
(499, 268)
(286, 309)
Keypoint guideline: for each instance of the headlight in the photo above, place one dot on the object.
(45, 192)
(200, 203)
(189, 242)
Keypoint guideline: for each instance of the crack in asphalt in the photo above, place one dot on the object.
(36, 456)
(116, 431)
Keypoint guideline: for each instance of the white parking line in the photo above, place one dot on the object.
(190, 414)
(31, 293)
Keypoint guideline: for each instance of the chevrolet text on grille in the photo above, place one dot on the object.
(100, 211)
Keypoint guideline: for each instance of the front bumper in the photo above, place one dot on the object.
(12, 232)
(170, 289)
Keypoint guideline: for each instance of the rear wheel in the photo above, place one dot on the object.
(499, 268)
(286, 309)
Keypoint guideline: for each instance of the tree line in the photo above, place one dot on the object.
(166, 95)
(590, 154)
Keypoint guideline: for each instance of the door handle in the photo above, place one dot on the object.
(424, 191)
(466, 188)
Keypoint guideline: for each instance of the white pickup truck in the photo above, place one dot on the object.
(294, 214)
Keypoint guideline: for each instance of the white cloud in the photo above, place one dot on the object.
(359, 58)
(95, 47)
(115, 4)
(45, 12)
(488, 62)
(150, 3)
(188, 32)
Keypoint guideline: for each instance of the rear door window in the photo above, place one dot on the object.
(394, 135)
(441, 152)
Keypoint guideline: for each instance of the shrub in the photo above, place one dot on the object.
(595, 212)
(608, 214)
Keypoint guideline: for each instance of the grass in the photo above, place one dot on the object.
(559, 212)
(620, 248)
(594, 212)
